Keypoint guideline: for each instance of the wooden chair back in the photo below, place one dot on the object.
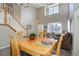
(42, 34)
(14, 46)
(59, 45)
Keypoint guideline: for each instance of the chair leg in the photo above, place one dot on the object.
(10, 50)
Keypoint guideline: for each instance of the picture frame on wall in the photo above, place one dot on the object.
(28, 26)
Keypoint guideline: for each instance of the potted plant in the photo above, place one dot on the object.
(32, 36)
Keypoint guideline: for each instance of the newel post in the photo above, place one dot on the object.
(5, 14)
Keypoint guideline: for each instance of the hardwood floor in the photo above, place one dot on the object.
(6, 52)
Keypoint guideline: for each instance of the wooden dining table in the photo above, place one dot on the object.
(34, 48)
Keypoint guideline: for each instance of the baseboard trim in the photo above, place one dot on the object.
(4, 47)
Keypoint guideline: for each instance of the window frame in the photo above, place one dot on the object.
(54, 28)
(51, 6)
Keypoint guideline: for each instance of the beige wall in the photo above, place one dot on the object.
(61, 17)
(17, 11)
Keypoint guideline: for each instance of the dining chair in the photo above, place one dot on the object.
(67, 43)
(58, 48)
(14, 48)
(42, 34)
(59, 45)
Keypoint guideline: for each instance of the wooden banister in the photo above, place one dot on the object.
(18, 21)
(5, 16)
(6, 11)
(8, 26)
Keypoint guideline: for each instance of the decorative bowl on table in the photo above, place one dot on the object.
(32, 36)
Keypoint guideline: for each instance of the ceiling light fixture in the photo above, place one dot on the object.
(26, 5)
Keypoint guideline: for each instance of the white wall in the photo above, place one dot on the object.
(4, 36)
(28, 16)
(75, 31)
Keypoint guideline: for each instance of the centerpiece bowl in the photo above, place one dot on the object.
(32, 36)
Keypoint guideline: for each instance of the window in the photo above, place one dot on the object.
(52, 9)
(54, 27)
(71, 7)
(56, 9)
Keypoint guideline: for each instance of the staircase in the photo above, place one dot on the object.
(7, 19)
(9, 25)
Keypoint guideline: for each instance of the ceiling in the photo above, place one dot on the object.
(36, 5)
